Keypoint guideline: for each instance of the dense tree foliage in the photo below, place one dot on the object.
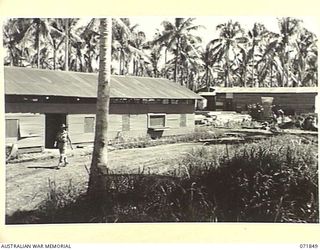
(235, 57)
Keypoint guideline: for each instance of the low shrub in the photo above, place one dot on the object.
(142, 142)
(256, 111)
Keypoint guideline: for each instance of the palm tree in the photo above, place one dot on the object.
(137, 44)
(58, 37)
(73, 45)
(288, 29)
(256, 37)
(305, 61)
(128, 46)
(190, 64)
(90, 35)
(174, 35)
(207, 76)
(269, 65)
(226, 46)
(13, 30)
(155, 55)
(99, 164)
(38, 33)
(120, 44)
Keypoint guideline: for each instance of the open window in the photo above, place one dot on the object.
(157, 121)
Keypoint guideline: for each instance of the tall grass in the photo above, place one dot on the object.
(275, 180)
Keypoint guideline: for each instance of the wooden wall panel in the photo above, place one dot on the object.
(43, 108)
(32, 127)
(82, 138)
(139, 122)
(79, 108)
(151, 108)
(190, 121)
(173, 120)
(76, 128)
(115, 123)
(300, 102)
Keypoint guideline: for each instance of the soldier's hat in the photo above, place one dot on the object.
(63, 126)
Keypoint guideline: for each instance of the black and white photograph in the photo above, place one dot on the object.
(157, 119)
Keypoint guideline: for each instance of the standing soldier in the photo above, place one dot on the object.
(62, 141)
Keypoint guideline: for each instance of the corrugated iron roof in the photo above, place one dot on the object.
(267, 90)
(28, 81)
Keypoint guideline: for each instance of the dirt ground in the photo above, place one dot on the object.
(27, 183)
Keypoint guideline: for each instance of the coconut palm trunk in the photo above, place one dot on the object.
(207, 77)
(54, 54)
(99, 164)
(66, 68)
(38, 45)
(227, 80)
(176, 71)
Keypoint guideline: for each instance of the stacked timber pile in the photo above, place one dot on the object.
(230, 118)
(235, 136)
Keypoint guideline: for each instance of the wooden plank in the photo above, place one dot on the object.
(76, 128)
(115, 123)
(139, 123)
(75, 119)
(173, 120)
(82, 138)
(31, 142)
(75, 124)
(125, 122)
(26, 150)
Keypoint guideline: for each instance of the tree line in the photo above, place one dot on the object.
(236, 57)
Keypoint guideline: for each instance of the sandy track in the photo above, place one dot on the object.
(27, 183)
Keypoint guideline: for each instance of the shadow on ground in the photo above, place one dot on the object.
(43, 167)
(79, 212)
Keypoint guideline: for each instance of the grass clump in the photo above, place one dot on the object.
(274, 180)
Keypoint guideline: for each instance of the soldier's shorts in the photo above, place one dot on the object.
(62, 147)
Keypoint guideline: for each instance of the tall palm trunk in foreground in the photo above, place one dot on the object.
(99, 164)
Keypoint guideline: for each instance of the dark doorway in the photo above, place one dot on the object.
(211, 103)
(53, 123)
(229, 105)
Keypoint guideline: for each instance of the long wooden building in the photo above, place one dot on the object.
(38, 101)
(298, 100)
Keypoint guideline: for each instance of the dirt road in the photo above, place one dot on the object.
(27, 183)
